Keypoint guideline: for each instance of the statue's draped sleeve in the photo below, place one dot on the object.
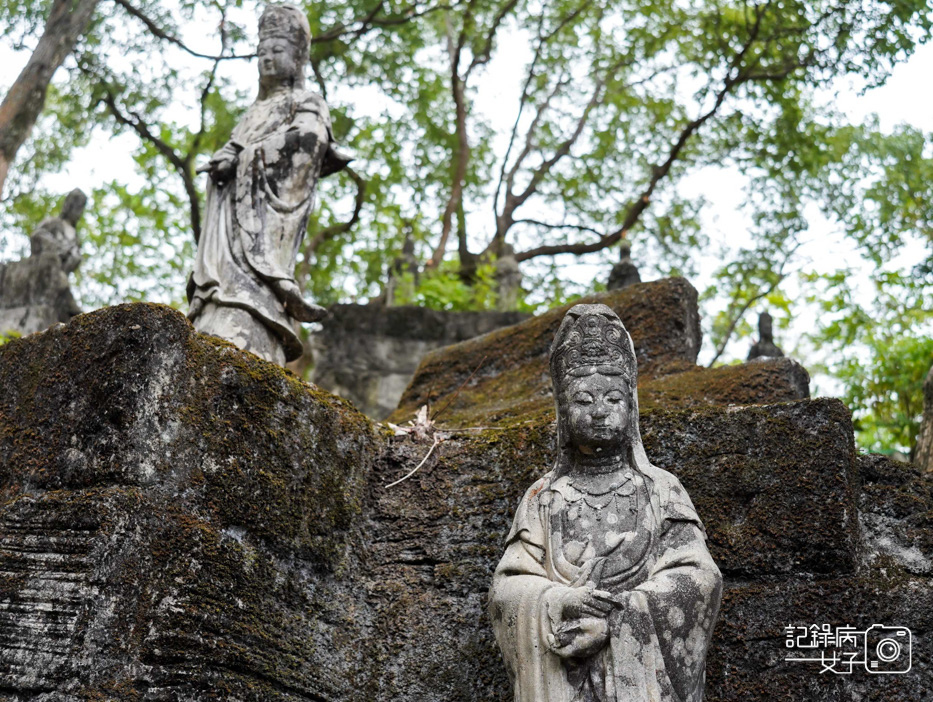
(277, 173)
(518, 609)
(658, 635)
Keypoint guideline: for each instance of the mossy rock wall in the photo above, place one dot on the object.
(172, 509)
(182, 521)
(503, 376)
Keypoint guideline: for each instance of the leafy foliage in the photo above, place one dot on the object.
(881, 351)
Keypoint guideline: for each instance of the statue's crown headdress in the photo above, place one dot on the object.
(286, 21)
(591, 339)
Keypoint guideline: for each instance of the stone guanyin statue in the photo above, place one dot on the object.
(260, 194)
(35, 292)
(765, 346)
(606, 591)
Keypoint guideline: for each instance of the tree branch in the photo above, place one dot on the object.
(542, 38)
(180, 164)
(371, 21)
(461, 156)
(529, 135)
(549, 225)
(341, 227)
(24, 101)
(485, 53)
(744, 307)
(205, 93)
(160, 33)
(736, 77)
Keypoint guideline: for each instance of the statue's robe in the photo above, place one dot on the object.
(642, 541)
(254, 224)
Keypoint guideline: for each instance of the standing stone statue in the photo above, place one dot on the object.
(606, 590)
(403, 275)
(508, 280)
(765, 345)
(260, 194)
(35, 292)
(624, 273)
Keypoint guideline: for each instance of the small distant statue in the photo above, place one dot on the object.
(403, 275)
(765, 345)
(508, 280)
(59, 235)
(624, 273)
(260, 195)
(35, 292)
(606, 590)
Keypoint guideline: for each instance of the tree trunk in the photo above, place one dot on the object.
(21, 107)
(923, 452)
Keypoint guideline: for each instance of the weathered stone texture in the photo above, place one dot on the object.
(34, 294)
(896, 513)
(369, 353)
(764, 381)
(170, 509)
(748, 661)
(182, 521)
(775, 485)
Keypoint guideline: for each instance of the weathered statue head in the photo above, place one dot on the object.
(765, 330)
(73, 207)
(594, 373)
(284, 42)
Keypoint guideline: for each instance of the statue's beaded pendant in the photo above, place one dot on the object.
(604, 525)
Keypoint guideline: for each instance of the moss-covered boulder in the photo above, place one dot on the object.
(760, 382)
(749, 658)
(503, 376)
(170, 509)
(775, 485)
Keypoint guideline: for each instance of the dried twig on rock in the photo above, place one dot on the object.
(437, 440)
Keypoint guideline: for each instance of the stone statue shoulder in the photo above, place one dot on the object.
(526, 516)
(310, 101)
(674, 501)
(335, 158)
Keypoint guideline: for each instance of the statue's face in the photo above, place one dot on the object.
(277, 59)
(74, 205)
(598, 409)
